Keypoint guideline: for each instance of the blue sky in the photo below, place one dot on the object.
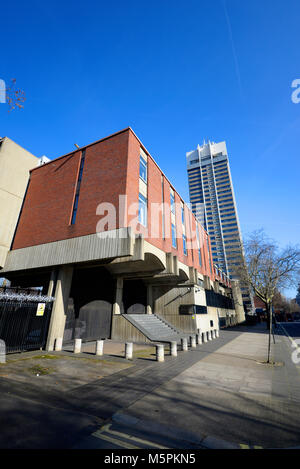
(176, 72)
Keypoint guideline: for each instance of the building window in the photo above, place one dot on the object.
(76, 200)
(142, 210)
(184, 245)
(174, 240)
(172, 202)
(143, 169)
(182, 215)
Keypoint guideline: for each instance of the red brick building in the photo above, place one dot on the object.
(104, 231)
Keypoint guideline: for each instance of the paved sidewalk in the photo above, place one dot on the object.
(227, 399)
(217, 395)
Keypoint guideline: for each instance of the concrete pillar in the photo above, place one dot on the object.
(208, 335)
(99, 347)
(193, 341)
(51, 285)
(128, 350)
(118, 296)
(149, 299)
(160, 353)
(77, 345)
(60, 305)
(58, 344)
(217, 333)
(204, 335)
(173, 348)
(212, 335)
(238, 301)
(184, 344)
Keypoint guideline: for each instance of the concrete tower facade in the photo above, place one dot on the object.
(213, 203)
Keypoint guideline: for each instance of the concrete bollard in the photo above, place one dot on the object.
(204, 335)
(208, 335)
(184, 344)
(128, 350)
(212, 335)
(58, 344)
(193, 341)
(217, 333)
(199, 338)
(173, 348)
(77, 345)
(99, 347)
(160, 353)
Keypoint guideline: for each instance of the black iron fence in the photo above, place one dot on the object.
(24, 321)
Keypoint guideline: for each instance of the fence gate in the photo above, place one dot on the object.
(24, 319)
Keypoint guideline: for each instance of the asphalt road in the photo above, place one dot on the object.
(292, 328)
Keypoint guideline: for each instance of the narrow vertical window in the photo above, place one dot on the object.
(199, 247)
(174, 240)
(208, 251)
(142, 210)
(76, 200)
(184, 245)
(172, 197)
(163, 207)
(143, 169)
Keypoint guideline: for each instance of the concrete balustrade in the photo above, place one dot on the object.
(58, 344)
(160, 353)
(193, 341)
(77, 345)
(128, 350)
(184, 344)
(173, 349)
(99, 347)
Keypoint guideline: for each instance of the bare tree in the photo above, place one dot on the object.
(14, 96)
(269, 269)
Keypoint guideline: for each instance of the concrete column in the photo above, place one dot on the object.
(118, 297)
(193, 341)
(149, 299)
(128, 350)
(58, 344)
(99, 347)
(51, 285)
(173, 347)
(60, 305)
(160, 353)
(77, 345)
(184, 344)
(238, 301)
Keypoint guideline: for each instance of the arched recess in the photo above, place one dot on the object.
(93, 322)
(136, 308)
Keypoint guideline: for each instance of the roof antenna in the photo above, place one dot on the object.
(77, 146)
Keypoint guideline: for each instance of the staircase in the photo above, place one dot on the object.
(155, 328)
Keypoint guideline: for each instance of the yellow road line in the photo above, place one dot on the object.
(122, 444)
(107, 428)
(138, 440)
